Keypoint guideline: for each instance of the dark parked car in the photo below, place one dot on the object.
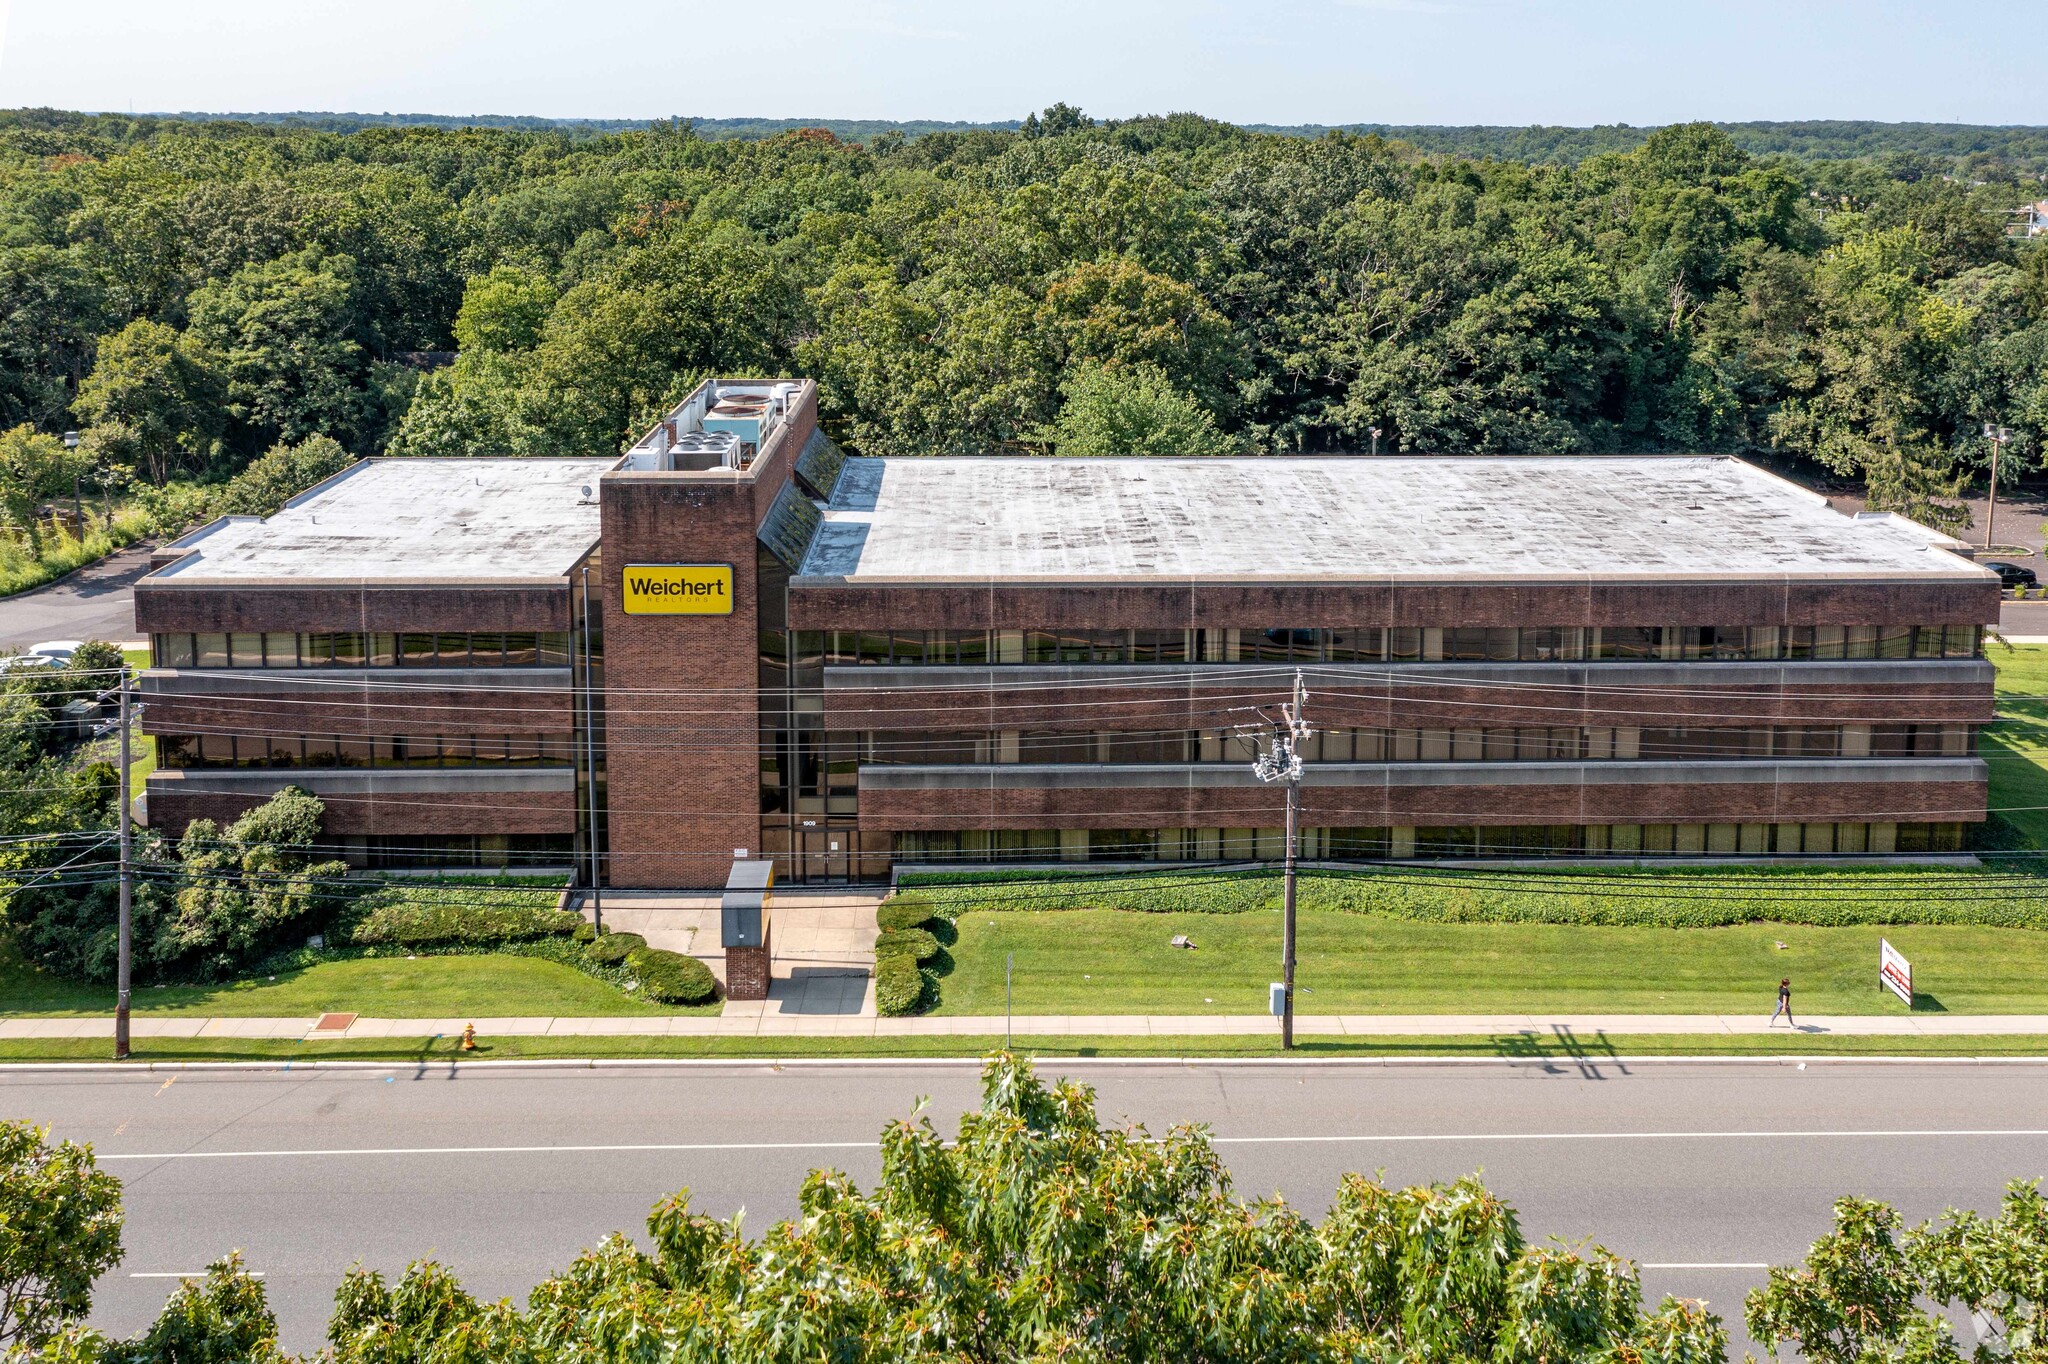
(2011, 575)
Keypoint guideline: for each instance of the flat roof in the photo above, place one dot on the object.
(409, 521)
(1337, 519)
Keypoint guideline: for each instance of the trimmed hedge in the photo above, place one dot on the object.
(899, 986)
(915, 943)
(1608, 897)
(609, 949)
(399, 917)
(670, 977)
(905, 910)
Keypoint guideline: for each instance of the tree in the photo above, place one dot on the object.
(51, 306)
(240, 888)
(1132, 410)
(60, 1228)
(154, 396)
(284, 332)
(223, 1317)
(33, 466)
(1869, 402)
(222, 898)
(504, 310)
(280, 474)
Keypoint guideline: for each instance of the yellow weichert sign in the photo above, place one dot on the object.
(678, 589)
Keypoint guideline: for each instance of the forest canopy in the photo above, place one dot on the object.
(189, 293)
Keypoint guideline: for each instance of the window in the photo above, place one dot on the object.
(280, 651)
(174, 651)
(1626, 643)
(245, 651)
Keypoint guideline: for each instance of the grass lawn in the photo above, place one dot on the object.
(2017, 747)
(375, 987)
(1522, 1046)
(1105, 961)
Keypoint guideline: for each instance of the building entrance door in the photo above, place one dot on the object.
(824, 856)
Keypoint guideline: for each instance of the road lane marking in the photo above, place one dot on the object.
(1708, 1264)
(1362, 1139)
(188, 1274)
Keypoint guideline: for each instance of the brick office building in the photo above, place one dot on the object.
(849, 664)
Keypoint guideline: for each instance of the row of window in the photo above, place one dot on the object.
(1464, 644)
(1426, 842)
(1525, 744)
(481, 851)
(329, 750)
(487, 649)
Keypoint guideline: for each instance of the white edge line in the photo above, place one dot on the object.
(1707, 1264)
(1359, 1139)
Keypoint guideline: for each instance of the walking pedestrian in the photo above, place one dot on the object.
(1784, 1003)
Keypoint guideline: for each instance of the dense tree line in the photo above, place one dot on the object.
(189, 294)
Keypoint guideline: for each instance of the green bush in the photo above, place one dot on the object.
(914, 943)
(586, 932)
(900, 911)
(609, 949)
(899, 986)
(430, 925)
(671, 977)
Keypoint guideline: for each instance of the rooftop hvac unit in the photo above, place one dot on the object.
(705, 450)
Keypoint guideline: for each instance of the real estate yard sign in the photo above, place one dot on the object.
(1894, 972)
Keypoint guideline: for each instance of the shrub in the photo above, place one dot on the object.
(671, 977)
(586, 931)
(914, 943)
(912, 910)
(609, 949)
(396, 919)
(899, 986)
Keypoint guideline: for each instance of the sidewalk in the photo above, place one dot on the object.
(767, 1024)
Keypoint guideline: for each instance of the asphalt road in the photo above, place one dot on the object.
(97, 602)
(2028, 618)
(1702, 1172)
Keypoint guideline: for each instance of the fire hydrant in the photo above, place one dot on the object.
(469, 1037)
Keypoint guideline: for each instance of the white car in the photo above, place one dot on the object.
(51, 653)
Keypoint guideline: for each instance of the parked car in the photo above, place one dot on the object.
(57, 650)
(51, 653)
(2011, 575)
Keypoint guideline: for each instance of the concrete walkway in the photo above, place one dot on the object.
(759, 1021)
(824, 946)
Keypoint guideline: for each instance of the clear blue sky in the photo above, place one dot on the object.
(1280, 61)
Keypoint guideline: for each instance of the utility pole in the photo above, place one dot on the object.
(1282, 763)
(124, 942)
(1998, 436)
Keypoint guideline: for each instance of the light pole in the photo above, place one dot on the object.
(1998, 436)
(1282, 763)
(77, 501)
(1375, 440)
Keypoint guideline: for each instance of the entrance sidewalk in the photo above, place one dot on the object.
(773, 1024)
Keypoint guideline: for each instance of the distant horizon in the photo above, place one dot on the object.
(1288, 63)
(823, 120)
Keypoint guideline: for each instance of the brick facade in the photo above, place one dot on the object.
(682, 778)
